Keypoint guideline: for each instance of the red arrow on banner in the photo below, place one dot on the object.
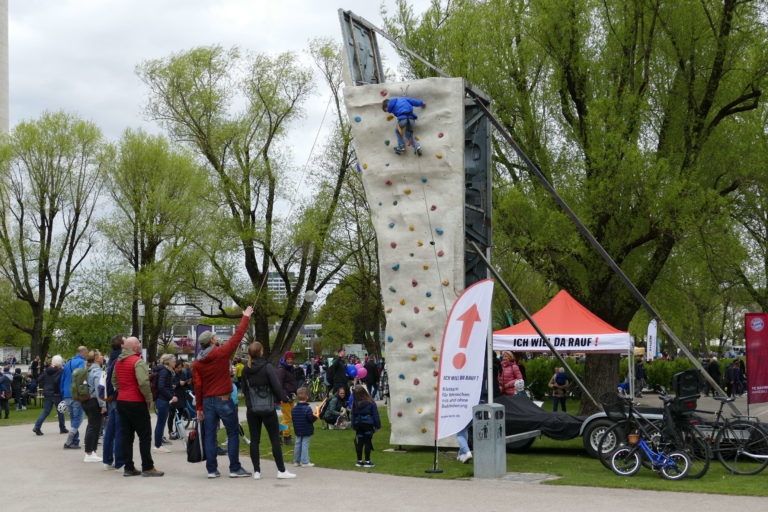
(468, 319)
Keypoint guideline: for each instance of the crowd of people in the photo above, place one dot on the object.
(115, 396)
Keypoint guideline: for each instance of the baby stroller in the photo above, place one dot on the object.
(183, 419)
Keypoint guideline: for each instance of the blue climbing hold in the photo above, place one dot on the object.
(358, 119)
(394, 203)
(390, 339)
(439, 231)
(429, 294)
(408, 399)
(423, 179)
(401, 376)
(391, 224)
(380, 203)
(396, 267)
(386, 164)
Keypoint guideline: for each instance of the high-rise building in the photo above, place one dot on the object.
(276, 285)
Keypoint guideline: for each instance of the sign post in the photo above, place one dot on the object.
(756, 337)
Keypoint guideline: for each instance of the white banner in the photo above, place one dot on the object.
(603, 343)
(651, 342)
(462, 357)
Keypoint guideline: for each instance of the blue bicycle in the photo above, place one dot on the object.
(671, 464)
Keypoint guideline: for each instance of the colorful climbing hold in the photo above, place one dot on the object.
(419, 243)
(407, 191)
(386, 142)
(402, 302)
(417, 139)
(445, 282)
(440, 253)
(438, 155)
(401, 376)
(403, 324)
(414, 282)
(365, 166)
(410, 254)
(431, 308)
(416, 381)
(413, 358)
(389, 310)
(416, 309)
(426, 267)
(383, 92)
(421, 410)
(389, 117)
(423, 179)
(386, 164)
(411, 228)
(434, 373)
(358, 119)
(388, 182)
(434, 358)
(391, 225)
(439, 231)
(399, 414)
(410, 344)
(440, 135)
(393, 245)
(380, 203)
(396, 267)
(408, 399)
(428, 294)
(423, 430)
(390, 339)
(427, 335)
(394, 203)
(392, 289)
(432, 348)
(433, 207)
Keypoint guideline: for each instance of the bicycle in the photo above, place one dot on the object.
(625, 461)
(740, 445)
(318, 391)
(674, 430)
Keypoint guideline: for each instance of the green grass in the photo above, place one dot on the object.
(24, 417)
(567, 459)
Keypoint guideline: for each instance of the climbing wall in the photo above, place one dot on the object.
(417, 206)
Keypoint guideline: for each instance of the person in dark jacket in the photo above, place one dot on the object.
(17, 385)
(287, 378)
(713, 369)
(5, 392)
(112, 455)
(372, 377)
(365, 422)
(180, 387)
(35, 368)
(165, 398)
(259, 373)
(303, 420)
(334, 410)
(50, 381)
(402, 108)
(337, 373)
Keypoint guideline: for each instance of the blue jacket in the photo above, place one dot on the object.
(366, 414)
(165, 384)
(66, 377)
(110, 368)
(402, 108)
(5, 385)
(303, 420)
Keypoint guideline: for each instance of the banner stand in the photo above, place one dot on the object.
(434, 468)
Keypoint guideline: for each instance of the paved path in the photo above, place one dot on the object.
(36, 471)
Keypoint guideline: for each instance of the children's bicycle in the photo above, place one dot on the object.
(626, 461)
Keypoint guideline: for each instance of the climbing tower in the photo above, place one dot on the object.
(424, 209)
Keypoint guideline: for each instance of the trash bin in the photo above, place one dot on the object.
(489, 441)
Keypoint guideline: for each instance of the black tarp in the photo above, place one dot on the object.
(522, 415)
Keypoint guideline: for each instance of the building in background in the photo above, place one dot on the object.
(276, 286)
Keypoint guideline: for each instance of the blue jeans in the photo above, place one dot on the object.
(75, 418)
(113, 438)
(49, 402)
(406, 126)
(558, 400)
(216, 409)
(301, 450)
(161, 408)
(462, 437)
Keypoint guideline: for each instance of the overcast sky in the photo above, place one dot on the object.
(80, 55)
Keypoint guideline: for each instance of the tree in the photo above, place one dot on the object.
(157, 193)
(624, 106)
(51, 179)
(192, 94)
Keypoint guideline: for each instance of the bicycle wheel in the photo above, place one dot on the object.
(698, 451)
(625, 461)
(609, 440)
(742, 448)
(680, 467)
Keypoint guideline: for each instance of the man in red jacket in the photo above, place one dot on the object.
(213, 389)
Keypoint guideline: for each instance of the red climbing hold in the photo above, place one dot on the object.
(383, 92)
(416, 382)
(427, 335)
(416, 309)
(440, 253)
(410, 344)
(393, 245)
(414, 282)
(434, 207)
(388, 182)
(440, 135)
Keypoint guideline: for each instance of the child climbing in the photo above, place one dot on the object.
(402, 108)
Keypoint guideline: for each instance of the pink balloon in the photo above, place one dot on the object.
(359, 365)
(361, 373)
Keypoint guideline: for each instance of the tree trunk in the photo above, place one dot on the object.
(601, 372)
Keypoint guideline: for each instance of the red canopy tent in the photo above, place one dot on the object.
(569, 326)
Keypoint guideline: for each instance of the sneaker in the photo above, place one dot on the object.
(359, 464)
(37, 431)
(281, 475)
(220, 451)
(467, 456)
(91, 457)
(240, 473)
(297, 464)
(165, 441)
(307, 465)
(109, 467)
(131, 472)
(215, 474)
(161, 449)
(152, 472)
(63, 431)
(256, 475)
(71, 447)
(369, 464)
(173, 436)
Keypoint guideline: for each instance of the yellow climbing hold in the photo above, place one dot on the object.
(413, 358)
(417, 139)
(433, 348)
(389, 310)
(402, 302)
(411, 228)
(426, 267)
(423, 430)
(407, 191)
(365, 166)
(419, 243)
(445, 282)
(431, 308)
(389, 117)
(421, 410)
(438, 155)
(434, 358)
